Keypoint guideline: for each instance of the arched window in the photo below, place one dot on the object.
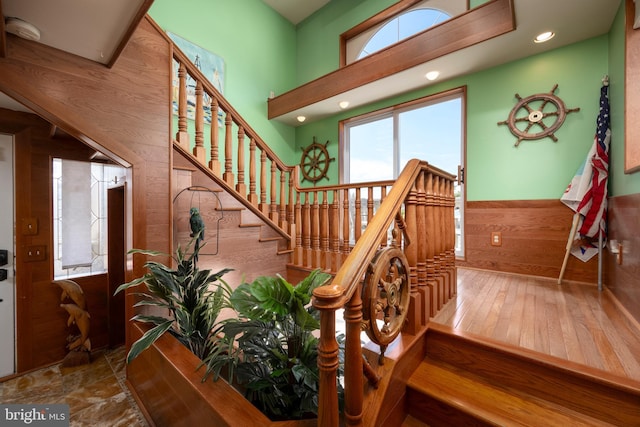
(398, 22)
(401, 27)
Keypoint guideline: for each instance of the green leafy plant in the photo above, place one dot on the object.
(187, 294)
(270, 350)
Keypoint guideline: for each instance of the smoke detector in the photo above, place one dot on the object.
(22, 29)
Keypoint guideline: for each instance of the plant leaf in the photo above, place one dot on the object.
(148, 339)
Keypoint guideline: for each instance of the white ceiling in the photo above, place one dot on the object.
(296, 10)
(92, 29)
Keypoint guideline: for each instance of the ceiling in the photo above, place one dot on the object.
(93, 29)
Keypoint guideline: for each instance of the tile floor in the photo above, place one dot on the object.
(96, 393)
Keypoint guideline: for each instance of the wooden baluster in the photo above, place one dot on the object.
(264, 208)
(334, 232)
(227, 176)
(423, 289)
(346, 245)
(283, 201)
(443, 240)
(370, 202)
(383, 195)
(452, 239)
(315, 231)
(306, 231)
(297, 251)
(357, 219)
(437, 236)
(414, 316)
(291, 199)
(182, 136)
(353, 374)
(324, 231)
(430, 229)
(198, 151)
(449, 247)
(214, 163)
(252, 197)
(273, 207)
(241, 186)
(328, 351)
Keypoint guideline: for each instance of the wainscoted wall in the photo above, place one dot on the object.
(624, 226)
(534, 235)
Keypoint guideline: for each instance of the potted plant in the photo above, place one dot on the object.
(270, 350)
(185, 294)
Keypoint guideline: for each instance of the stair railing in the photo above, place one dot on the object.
(420, 204)
(271, 183)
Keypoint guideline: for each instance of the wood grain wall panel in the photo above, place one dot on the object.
(124, 112)
(534, 237)
(624, 279)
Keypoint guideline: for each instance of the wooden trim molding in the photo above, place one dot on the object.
(475, 26)
(142, 11)
(632, 92)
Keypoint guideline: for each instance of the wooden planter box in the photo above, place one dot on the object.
(170, 391)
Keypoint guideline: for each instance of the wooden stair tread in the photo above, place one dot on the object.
(251, 224)
(490, 403)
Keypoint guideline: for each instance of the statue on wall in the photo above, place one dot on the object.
(79, 345)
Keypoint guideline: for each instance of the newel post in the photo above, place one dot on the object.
(325, 298)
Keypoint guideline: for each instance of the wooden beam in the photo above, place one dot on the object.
(472, 27)
(3, 35)
(142, 11)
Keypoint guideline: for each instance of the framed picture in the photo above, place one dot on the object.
(211, 66)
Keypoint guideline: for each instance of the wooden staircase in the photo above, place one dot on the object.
(467, 381)
(234, 235)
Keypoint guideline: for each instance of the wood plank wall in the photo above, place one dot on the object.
(125, 112)
(42, 324)
(624, 226)
(534, 237)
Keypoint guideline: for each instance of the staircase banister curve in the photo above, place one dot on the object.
(343, 292)
(226, 106)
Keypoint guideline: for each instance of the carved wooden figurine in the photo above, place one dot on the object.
(79, 345)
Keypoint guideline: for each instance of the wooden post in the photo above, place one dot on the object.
(198, 150)
(241, 186)
(227, 176)
(214, 163)
(182, 136)
(252, 197)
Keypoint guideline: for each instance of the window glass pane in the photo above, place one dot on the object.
(400, 28)
(371, 151)
(432, 133)
(418, 20)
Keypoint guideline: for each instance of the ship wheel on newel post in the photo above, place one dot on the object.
(537, 116)
(315, 161)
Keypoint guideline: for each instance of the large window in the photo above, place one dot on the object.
(378, 146)
(80, 216)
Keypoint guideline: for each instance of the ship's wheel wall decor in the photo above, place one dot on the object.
(537, 116)
(315, 161)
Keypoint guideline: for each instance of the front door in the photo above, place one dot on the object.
(7, 301)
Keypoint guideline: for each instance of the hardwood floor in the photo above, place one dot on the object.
(571, 321)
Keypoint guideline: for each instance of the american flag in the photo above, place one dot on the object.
(587, 192)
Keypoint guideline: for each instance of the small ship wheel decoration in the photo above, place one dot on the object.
(315, 161)
(537, 116)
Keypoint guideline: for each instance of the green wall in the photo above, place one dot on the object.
(496, 170)
(256, 44)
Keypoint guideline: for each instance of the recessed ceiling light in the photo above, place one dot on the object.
(432, 75)
(301, 118)
(543, 37)
(343, 104)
